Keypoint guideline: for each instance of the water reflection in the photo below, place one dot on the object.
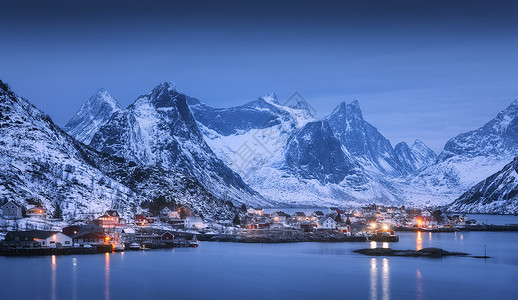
(385, 245)
(419, 241)
(374, 277)
(385, 279)
(374, 245)
(74, 278)
(53, 284)
(419, 285)
(385, 275)
(107, 276)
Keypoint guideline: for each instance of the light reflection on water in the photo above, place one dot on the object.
(53, 277)
(419, 241)
(74, 278)
(419, 285)
(107, 276)
(385, 279)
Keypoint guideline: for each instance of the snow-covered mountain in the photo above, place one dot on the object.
(372, 150)
(470, 158)
(91, 116)
(289, 157)
(412, 159)
(40, 163)
(496, 194)
(158, 129)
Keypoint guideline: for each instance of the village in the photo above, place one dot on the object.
(31, 230)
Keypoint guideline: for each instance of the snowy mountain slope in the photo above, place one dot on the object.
(373, 151)
(496, 194)
(40, 163)
(91, 116)
(414, 158)
(470, 158)
(158, 129)
(289, 157)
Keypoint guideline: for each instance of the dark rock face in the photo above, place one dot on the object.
(315, 153)
(496, 194)
(362, 140)
(257, 114)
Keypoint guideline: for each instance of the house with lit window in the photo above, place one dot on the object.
(90, 238)
(12, 210)
(110, 219)
(46, 239)
(193, 223)
(75, 229)
(298, 216)
(170, 213)
(279, 217)
(36, 211)
(144, 219)
(256, 211)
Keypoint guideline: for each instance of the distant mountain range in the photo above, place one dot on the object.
(262, 153)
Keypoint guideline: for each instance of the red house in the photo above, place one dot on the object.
(167, 237)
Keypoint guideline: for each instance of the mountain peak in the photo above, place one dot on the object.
(94, 113)
(270, 97)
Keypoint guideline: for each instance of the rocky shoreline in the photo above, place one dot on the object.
(288, 237)
(425, 252)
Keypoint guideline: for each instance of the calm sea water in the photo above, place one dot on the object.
(275, 271)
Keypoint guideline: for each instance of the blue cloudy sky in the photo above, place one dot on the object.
(420, 69)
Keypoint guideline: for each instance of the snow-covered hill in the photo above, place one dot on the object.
(40, 163)
(91, 116)
(496, 194)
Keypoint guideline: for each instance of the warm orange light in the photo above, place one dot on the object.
(373, 225)
(385, 227)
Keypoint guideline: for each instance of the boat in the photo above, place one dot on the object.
(134, 246)
(383, 237)
(194, 243)
(119, 248)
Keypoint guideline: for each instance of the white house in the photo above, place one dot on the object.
(12, 210)
(193, 223)
(47, 239)
(256, 211)
(327, 223)
(169, 213)
(279, 217)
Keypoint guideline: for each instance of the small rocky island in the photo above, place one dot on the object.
(425, 252)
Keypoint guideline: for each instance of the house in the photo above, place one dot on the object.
(279, 217)
(144, 219)
(327, 223)
(110, 219)
(90, 238)
(193, 223)
(170, 213)
(12, 210)
(36, 211)
(317, 215)
(167, 237)
(298, 216)
(75, 229)
(185, 211)
(46, 239)
(256, 211)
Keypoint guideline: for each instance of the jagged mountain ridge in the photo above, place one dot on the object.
(309, 163)
(93, 114)
(469, 158)
(158, 129)
(496, 194)
(40, 163)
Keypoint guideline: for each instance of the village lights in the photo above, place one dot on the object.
(373, 225)
(385, 227)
